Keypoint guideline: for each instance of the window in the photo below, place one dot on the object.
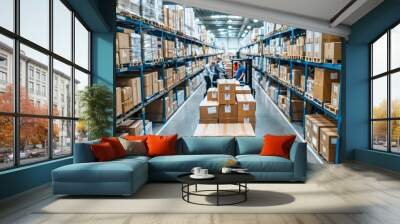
(385, 95)
(81, 45)
(45, 117)
(6, 89)
(7, 14)
(35, 21)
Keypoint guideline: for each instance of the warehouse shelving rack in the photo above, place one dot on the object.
(292, 33)
(140, 26)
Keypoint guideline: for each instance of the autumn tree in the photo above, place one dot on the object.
(33, 131)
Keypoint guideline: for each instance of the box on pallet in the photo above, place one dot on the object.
(226, 97)
(209, 112)
(227, 85)
(322, 86)
(308, 125)
(118, 109)
(327, 144)
(246, 105)
(243, 90)
(154, 111)
(296, 76)
(134, 83)
(316, 125)
(212, 94)
(335, 94)
(227, 113)
(333, 51)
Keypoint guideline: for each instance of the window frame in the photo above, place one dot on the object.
(388, 74)
(15, 68)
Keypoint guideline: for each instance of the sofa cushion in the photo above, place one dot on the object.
(83, 152)
(134, 147)
(161, 145)
(278, 145)
(206, 145)
(185, 163)
(116, 145)
(103, 152)
(112, 171)
(257, 163)
(249, 145)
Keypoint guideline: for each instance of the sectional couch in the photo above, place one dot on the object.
(125, 176)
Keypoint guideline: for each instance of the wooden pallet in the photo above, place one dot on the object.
(316, 101)
(333, 61)
(308, 58)
(298, 89)
(317, 60)
(309, 96)
(331, 108)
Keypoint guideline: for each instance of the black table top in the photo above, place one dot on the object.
(220, 178)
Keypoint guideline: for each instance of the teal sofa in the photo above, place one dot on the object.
(125, 176)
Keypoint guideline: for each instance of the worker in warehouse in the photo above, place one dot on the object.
(209, 69)
(241, 72)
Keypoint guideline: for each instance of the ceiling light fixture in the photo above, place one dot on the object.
(230, 27)
(229, 20)
(248, 27)
(255, 20)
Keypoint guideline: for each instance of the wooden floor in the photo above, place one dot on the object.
(378, 189)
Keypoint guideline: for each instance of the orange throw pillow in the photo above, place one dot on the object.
(136, 137)
(161, 145)
(116, 145)
(103, 152)
(277, 145)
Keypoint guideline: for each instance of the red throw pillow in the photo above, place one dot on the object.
(161, 145)
(277, 145)
(103, 152)
(136, 137)
(116, 145)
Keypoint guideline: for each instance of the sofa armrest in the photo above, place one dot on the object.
(298, 155)
(83, 152)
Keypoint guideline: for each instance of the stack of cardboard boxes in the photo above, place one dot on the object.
(128, 94)
(316, 42)
(152, 84)
(321, 134)
(169, 49)
(128, 48)
(228, 103)
(322, 85)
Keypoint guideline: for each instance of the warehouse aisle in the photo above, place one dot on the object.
(186, 118)
(268, 118)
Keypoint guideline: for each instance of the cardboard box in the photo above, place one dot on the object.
(335, 94)
(226, 97)
(228, 111)
(333, 50)
(296, 76)
(136, 128)
(154, 111)
(246, 105)
(228, 120)
(118, 109)
(123, 40)
(309, 118)
(160, 85)
(124, 56)
(323, 79)
(250, 119)
(155, 87)
(208, 121)
(127, 105)
(316, 125)
(243, 90)
(227, 85)
(212, 94)
(209, 110)
(303, 82)
(327, 145)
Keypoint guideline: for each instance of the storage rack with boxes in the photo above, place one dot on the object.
(301, 72)
(157, 67)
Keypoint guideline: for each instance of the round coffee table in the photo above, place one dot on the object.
(238, 179)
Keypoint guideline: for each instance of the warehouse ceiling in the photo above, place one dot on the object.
(224, 25)
(328, 16)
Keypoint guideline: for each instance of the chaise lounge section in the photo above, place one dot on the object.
(125, 176)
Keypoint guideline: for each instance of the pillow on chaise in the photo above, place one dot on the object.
(116, 145)
(277, 145)
(103, 152)
(161, 145)
(134, 147)
(136, 137)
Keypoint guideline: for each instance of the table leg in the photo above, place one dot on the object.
(196, 187)
(217, 194)
(245, 193)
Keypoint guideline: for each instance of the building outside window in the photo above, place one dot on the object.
(385, 94)
(57, 129)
